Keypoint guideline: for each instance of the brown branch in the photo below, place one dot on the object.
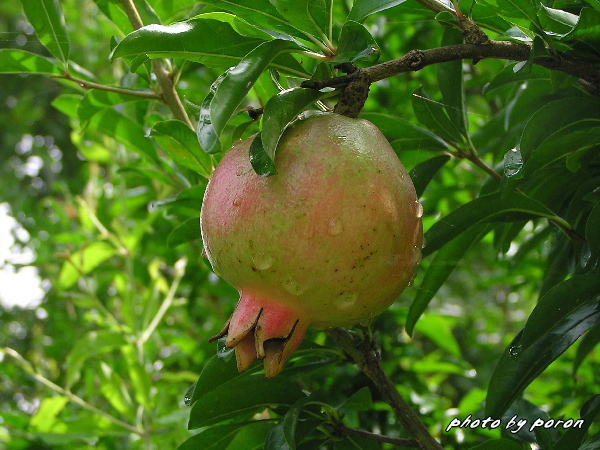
(168, 92)
(102, 87)
(364, 354)
(418, 59)
(400, 442)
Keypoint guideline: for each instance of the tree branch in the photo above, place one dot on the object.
(364, 354)
(418, 59)
(168, 92)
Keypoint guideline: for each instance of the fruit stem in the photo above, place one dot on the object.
(362, 351)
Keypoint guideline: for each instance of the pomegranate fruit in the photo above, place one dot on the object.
(330, 240)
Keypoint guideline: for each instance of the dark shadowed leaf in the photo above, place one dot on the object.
(499, 444)
(587, 345)
(450, 81)
(218, 437)
(49, 24)
(518, 367)
(440, 269)
(356, 45)
(433, 115)
(186, 232)
(361, 9)
(496, 207)
(276, 439)
(424, 172)
(241, 395)
(575, 436)
(215, 372)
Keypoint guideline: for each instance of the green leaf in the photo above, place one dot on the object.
(186, 232)
(554, 118)
(96, 100)
(290, 422)
(587, 345)
(361, 9)
(20, 61)
(592, 229)
(241, 395)
(180, 142)
(138, 375)
(276, 439)
(403, 135)
(564, 17)
(229, 89)
(519, 366)
(440, 269)
(356, 44)
(114, 389)
(124, 130)
(360, 400)
(575, 436)
(215, 372)
(450, 81)
(587, 28)
(508, 76)
(46, 416)
(498, 444)
(83, 262)
(115, 14)
(280, 111)
(49, 24)
(88, 346)
(439, 330)
(497, 207)
(552, 307)
(208, 41)
(433, 115)
(218, 437)
(424, 172)
(310, 16)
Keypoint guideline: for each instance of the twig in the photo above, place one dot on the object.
(27, 367)
(166, 304)
(102, 87)
(475, 159)
(418, 59)
(168, 92)
(342, 429)
(363, 353)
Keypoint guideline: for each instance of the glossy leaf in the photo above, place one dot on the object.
(450, 81)
(361, 9)
(586, 346)
(552, 307)
(439, 270)
(276, 439)
(211, 42)
(49, 24)
(592, 229)
(518, 367)
(21, 61)
(356, 45)
(239, 396)
(587, 27)
(310, 16)
(278, 114)
(83, 262)
(422, 174)
(488, 208)
(433, 115)
(215, 372)
(180, 142)
(229, 89)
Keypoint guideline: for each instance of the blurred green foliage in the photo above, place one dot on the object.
(109, 189)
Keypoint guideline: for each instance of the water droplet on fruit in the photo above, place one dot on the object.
(346, 300)
(262, 262)
(292, 287)
(515, 350)
(417, 255)
(419, 209)
(335, 227)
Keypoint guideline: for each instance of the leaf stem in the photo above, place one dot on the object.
(169, 94)
(362, 351)
(28, 367)
(166, 304)
(102, 87)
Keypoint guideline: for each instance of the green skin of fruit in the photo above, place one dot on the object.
(330, 240)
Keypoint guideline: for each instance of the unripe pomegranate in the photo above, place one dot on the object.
(330, 240)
